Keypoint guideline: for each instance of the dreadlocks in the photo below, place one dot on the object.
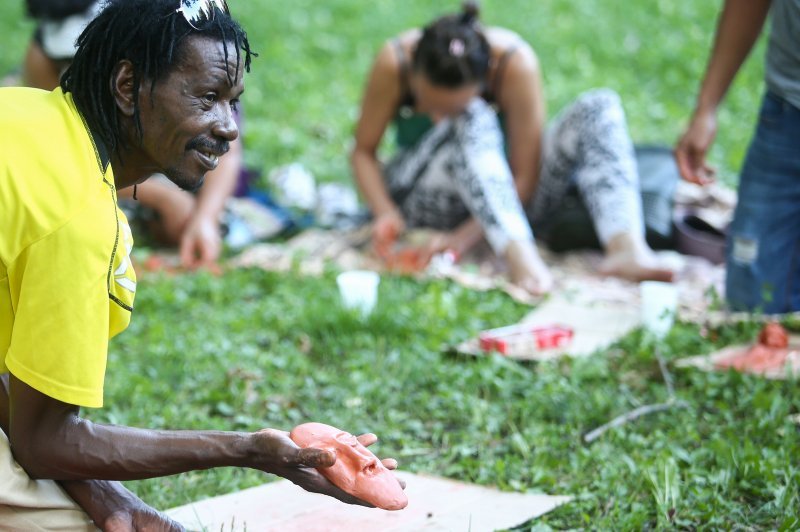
(148, 33)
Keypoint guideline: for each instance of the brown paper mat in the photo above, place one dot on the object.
(434, 504)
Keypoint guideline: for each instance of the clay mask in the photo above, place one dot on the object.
(356, 471)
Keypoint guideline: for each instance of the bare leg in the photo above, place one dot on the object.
(589, 142)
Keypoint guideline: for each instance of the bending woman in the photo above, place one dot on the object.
(474, 158)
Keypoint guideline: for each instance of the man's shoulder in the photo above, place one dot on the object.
(49, 169)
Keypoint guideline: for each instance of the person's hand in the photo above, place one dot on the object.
(279, 455)
(691, 150)
(201, 243)
(385, 231)
(416, 258)
(142, 518)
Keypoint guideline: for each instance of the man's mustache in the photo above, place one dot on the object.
(218, 148)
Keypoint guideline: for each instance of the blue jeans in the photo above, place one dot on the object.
(763, 257)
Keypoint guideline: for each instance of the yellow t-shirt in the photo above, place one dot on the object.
(66, 280)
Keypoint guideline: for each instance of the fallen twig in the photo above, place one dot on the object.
(646, 409)
(630, 416)
(662, 365)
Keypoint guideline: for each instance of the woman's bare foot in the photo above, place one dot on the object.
(629, 257)
(526, 268)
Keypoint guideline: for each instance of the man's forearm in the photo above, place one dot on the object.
(738, 29)
(90, 451)
(100, 498)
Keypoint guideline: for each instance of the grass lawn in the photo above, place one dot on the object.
(254, 349)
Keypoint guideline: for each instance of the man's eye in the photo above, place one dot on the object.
(210, 97)
(235, 105)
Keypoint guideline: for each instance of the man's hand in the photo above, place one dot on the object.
(143, 519)
(281, 456)
(201, 243)
(690, 153)
(385, 231)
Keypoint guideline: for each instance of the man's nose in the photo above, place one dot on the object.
(225, 126)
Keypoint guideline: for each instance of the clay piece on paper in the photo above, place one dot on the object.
(356, 471)
(771, 352)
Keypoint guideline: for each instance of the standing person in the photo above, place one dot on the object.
(152, 88)
(763, 257)
(474, 158)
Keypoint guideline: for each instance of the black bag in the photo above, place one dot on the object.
(572, 227)
(56, 9)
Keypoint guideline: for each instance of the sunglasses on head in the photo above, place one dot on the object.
(198, 11)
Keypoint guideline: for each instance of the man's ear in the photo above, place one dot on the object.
(122, 87)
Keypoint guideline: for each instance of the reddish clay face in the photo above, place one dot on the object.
(356, 471)
(773, 335)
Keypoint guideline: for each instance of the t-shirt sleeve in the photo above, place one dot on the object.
(59, 340)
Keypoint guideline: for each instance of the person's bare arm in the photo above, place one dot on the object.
(522, 102)
(738, 29)
(105, 502)
(50, 440)
(381, 97)
(380, 101)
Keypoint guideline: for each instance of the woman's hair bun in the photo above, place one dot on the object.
(470, 10)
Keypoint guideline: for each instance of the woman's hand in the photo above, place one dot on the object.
(386, 229)
(414, 258)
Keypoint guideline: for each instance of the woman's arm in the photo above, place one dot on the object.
(381, 98)
(521, 100)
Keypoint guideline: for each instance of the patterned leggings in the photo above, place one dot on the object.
(459, 169)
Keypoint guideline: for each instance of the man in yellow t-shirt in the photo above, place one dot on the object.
(67, 282)
(152, 88)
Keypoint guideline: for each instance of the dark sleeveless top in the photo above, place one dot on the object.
(411, 125)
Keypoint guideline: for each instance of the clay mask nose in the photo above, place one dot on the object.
(352, 445)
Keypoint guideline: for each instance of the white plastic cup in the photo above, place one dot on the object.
(359, 290)
(659, 304)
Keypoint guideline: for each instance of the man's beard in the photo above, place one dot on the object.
(189, 183)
